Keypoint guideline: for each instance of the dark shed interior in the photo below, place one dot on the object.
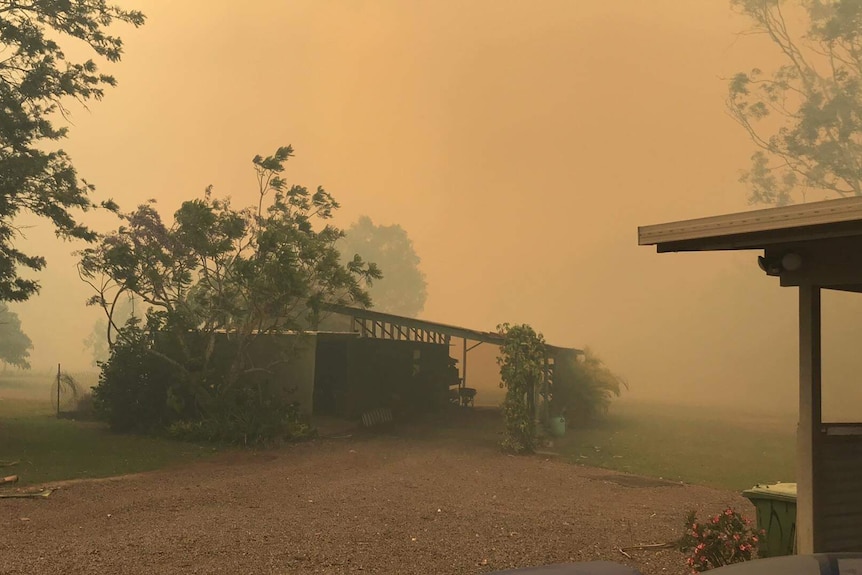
(355, 375)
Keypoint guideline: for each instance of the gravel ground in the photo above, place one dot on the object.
(419, 499)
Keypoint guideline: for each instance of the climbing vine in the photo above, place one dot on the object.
(521, 362)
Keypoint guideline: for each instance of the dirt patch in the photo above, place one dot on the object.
(424, 499)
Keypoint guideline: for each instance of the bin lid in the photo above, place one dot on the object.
(776, 491)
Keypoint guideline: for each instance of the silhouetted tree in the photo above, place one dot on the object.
(403, 289)
(805, 116)
(35, 81)
(105, 332)
(15, 346)
(583, 387)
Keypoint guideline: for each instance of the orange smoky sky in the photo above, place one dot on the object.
(519, 143)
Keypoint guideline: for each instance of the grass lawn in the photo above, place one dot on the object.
(723, 448)
(51, 449)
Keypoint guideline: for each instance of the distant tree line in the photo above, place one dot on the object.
(15, 346)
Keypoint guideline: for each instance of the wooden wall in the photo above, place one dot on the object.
(839, 489)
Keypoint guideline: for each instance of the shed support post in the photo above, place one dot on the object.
(808, 429)
(464, 366)
(546, 393)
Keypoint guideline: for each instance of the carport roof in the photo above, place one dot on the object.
(758, 229)
(450, 330)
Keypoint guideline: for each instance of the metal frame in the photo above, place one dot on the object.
(389, 330)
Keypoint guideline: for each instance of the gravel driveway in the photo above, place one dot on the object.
(420, 499)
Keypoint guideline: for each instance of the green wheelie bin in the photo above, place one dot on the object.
(776, 515)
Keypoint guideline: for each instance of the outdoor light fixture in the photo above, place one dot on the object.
(791, 261)
(774, 265)
(771, 265)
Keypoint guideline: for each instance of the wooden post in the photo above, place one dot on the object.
(464, 366)
(58, 391)
(808, 429)
(546, 392)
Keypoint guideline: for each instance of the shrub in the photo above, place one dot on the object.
(583, 388)
(84, 408)
(246, 429)
(133, 390)
(724, 539)
(140, 391)
(257, 411)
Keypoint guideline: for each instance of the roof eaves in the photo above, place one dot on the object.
(822, 215)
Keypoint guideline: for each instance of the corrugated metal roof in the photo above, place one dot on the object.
(758, 228)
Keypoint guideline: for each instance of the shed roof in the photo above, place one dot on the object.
(759, 228)
(450, 330)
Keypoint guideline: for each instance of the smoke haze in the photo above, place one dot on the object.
(519, 144)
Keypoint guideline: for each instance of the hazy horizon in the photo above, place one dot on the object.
(520, 148)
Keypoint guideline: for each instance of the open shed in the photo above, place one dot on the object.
(813, 247)
(378, 325)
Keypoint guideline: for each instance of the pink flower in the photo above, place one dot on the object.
(715, 519)
(736, 536)
(728, 512)
(755, 539)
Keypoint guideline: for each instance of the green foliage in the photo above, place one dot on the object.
(583, 387)
(140, 392)
(35, 81)
(522, 364)
(135, 387)
(85, 410)
(403, 289)
(724, 539)
(15, 346)
(215, 281)
(260, 421)
(816, 96)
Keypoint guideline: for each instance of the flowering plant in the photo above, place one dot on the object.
(721, 540)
